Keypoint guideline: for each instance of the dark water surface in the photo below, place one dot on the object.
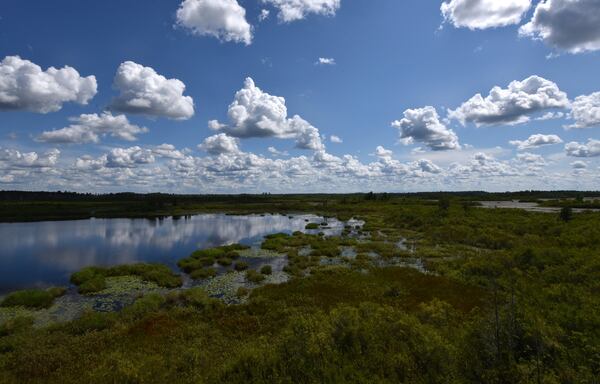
(42, 254)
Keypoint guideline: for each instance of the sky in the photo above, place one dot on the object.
(286, 96)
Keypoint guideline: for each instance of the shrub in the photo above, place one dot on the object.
(200, 274)
(96, 284)
(33, 298)
(266, 270)
(312, 226)
(224, 261)
(241, 266)
(254, 277)
(146, 304)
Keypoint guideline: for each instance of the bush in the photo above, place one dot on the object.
(241, 266)
(200, 274)
(225, 261)
(312, 226)
(266, 270)
(96, 284)
(33, 298)
(254, 277)
(92, 279)
(146, 304)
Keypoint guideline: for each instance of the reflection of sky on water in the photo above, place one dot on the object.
(46, 253)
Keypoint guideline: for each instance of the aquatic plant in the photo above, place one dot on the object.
(254, 277)
(205, 273)
(266, 270)
(33, 298)
(241, 266)
(92, 279)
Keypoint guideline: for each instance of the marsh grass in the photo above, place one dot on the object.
(93, 279)
(33, 298)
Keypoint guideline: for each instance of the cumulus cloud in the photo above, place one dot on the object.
(25, 86)
(423, 125)
(292, 10)
(537, 140)
(531, 158)
(128, 157)
(167, 151)
(589, 149)
(511, 105)
(144, 91)
(335, 139)
(569, 25)
(579, 164)
(483, 14)
(219, 144)
(89, 129)
(223, 19)
(383, 153)
(255, 113)
(325, 61)
(585, 110)
(550, 116)
(12, 158)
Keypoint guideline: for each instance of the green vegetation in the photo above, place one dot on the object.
(93, 279)
(312, 226)
(33, 298)
(266, 270)
(508, 296)
(199, 262)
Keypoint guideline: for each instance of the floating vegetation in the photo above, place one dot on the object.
(225, 286)
(93, 279)
(258, 253)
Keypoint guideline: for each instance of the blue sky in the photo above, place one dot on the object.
(415, 63)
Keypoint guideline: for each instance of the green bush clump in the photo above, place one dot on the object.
(33, 298)
(207, 257)
(194, 297)
(225, 261)
(266, 270)
(241, 266)
(92, 279)
(200, 274)
(312, 226)
(254, 277)
(145, 304)
(93, 285)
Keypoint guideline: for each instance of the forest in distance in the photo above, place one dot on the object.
(500, 296)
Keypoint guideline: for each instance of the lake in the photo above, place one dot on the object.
(42, 254)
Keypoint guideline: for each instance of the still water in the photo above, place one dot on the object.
(41, 254)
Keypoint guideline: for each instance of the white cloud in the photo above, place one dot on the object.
(292, 10)
(536, 140)
(569, 25)
(550, 116)
(144, 91)
(168, 151)
(223, 19)
(335, 139)
(383, 153)
(12, 158)
(325, 61)
(423, 125)
(89, 129)
(579, 164)
(590, 149)
(25, 86)
(531, 158)
(255, 113)
(511, 105)
(128, 157)
(483, 14)
(585, 110)
(275, 152)
(219, 144)
(264, 15)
